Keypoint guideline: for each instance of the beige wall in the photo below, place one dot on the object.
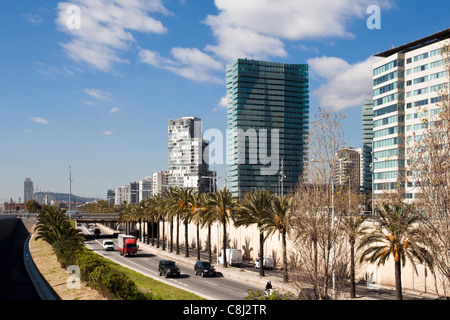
(424, 281)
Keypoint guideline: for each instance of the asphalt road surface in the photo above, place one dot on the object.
(214, 288)
(15, 284)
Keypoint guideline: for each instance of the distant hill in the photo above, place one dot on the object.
(63, 197)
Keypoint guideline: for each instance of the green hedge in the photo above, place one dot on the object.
(112, 284)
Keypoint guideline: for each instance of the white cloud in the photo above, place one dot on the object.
(105, 28)
(257, 28)
(190, 63)
(107, 133)
(114, 110)
(40, 120)
(346, 84)
(99, 94)
(222, 104)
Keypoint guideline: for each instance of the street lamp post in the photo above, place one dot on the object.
(70, 192)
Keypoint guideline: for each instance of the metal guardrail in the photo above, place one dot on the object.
(42, 287)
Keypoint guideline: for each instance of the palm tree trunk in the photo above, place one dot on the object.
(171, 234)
(261, 254)
(153, 232)
(178, 235)
(209, 244)
(157, 235)
(285, 271)
(398, 280)
(198, 241)
(224, 245)
(352, 270)
(186, 239)
(148, 232)
(163, 236)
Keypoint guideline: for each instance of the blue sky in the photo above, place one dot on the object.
(98, 98)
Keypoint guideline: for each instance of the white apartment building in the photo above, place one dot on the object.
(160, 181)
(188, 166)
(122, 194)
(145, 188)
(404, 93)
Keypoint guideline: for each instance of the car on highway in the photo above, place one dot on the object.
(108, 245)
(168, 268)
(204, 268)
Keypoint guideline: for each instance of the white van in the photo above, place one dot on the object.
(268, 263)
(234, 257)
(108, 245)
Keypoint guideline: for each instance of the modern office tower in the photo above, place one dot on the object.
(110, 196)
(160, 181)
(188, 166)
(348, 167)
(267, 121)
(28, 190)
(404, 94)
(367, 135)
(145, 188)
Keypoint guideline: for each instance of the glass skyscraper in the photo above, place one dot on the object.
(267, 121)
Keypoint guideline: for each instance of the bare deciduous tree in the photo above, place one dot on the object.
(429, 174)
(317, 239)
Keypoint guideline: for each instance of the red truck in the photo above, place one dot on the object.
(127, 245)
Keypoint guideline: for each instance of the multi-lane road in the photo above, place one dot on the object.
(215, 288)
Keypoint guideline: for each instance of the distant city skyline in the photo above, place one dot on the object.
(97, 96)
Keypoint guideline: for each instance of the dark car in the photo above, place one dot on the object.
(168, 268)
(204, 268)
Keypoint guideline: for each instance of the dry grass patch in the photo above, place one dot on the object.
(49, 267)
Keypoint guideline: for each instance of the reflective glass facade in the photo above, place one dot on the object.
(267, 121)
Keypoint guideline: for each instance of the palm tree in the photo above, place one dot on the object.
(208, 216)
(278, 221)
(226, 206)
(184, 202)
(197, 210)
(149, 213)
(256, 209)
(167, 200)
(52, 225)
(401, 240)
(353, 227)
(179, 207)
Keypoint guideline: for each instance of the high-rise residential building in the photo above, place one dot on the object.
(367, 135)
(267, 121)
(28, 190)
(145, 188)
(188, 165)
(404, 95)
(122, 195)
(348, 167)
(160, 182)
